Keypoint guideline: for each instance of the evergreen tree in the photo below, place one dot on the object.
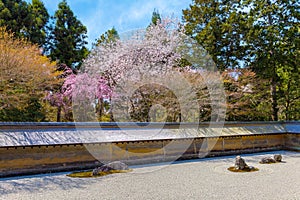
(14, 15)
(25, 19)
(155, 17)
(109, 36)
(39, 17)
(219, 27)
(263, 35)
(67, 38)
(274, 43)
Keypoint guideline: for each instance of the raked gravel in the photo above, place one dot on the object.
(194, 179)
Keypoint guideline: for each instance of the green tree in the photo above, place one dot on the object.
(67, 38)
(260, 35)
(39, 17)
(155, 17)
(109, 36)
(219, 27)
(25, 19)
(273, 40)
(289, 92)
(14, 15)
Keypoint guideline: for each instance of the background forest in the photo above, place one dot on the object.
(254, 44)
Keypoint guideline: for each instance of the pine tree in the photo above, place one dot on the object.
(39, 17)
(25, 19)
(67, 38)
(155, 17)
(13, 15)
(109, 36)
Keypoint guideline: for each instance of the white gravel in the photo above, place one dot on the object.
(195, 179)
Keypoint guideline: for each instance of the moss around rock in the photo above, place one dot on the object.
(241, 166)
(116, 165)
(105, 169)
(89, 174)
(246, 169)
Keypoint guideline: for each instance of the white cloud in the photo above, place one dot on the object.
(101, 15)
(127, 15)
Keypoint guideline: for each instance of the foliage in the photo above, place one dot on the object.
(155, 19)
(289, 92)
(39, 17)
(119, 60)
(247, 96)
(109, 36)
(114, 60)
(67, 38)
(80, 92)
(154, 102)
(145, 61)
(25, 19)
(219, 27)
(255, 44)
(86, 91)
(274, 43)
(24, 78)
(14, 15)
(260, 35)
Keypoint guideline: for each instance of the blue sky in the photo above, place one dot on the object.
(100, 15)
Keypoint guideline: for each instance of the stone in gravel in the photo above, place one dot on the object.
(267, 160)
(240, 163)
(278, 157)
(116, 165)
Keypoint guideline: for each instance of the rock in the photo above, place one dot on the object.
(240, 163)
(267, 160)
(278, 157)
(96, 171)
(241, 166)
(116, 165)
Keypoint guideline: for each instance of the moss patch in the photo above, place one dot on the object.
(247, 169)
(89, 174)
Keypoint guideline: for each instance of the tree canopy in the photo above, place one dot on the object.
(25, 19)
(219, 27)
(67, 38)
(146, 63)
(254, 44)
(110, 36)
(259, 35)
(155, 19)
(25, 76)
(273, 41)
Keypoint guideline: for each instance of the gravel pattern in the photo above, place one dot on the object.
(194, 179)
